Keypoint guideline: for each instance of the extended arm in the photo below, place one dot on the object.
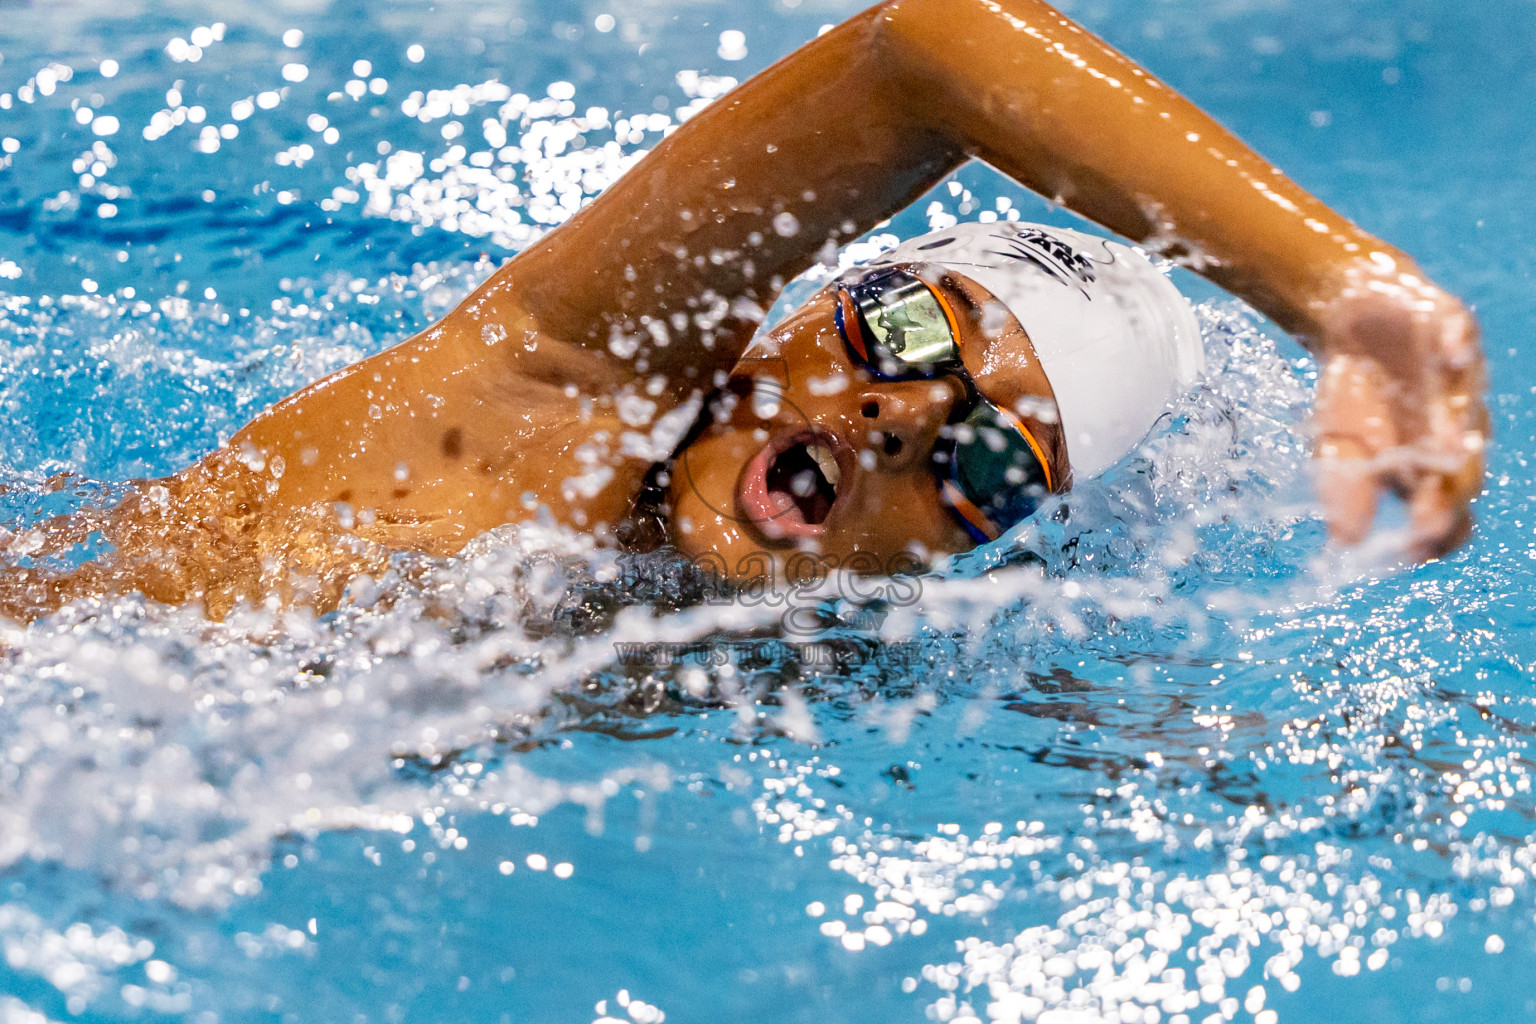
(847, 130)
(850, 128)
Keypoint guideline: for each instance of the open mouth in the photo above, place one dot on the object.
(789, 488)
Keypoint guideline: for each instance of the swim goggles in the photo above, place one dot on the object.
(992, 471)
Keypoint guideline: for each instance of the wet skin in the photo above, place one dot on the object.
(797, 388)
(654, 289)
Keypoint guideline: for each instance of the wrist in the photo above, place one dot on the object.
(1380, 300)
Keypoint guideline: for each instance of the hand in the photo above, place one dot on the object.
(1400, 408)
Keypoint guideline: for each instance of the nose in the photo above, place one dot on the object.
(903, 420)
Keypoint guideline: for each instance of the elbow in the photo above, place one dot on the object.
(904, 50)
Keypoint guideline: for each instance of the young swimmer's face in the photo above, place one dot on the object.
(816, 453)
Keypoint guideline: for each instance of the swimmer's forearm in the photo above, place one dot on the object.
(1400, 398)
(1053, 106)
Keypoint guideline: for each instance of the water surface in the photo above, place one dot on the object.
(1163, 757)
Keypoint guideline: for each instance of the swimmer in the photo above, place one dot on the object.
(915, 407)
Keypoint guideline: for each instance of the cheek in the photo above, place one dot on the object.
(702, 493)
(896, 510)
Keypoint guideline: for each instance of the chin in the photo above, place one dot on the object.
(746, 497)
(735, 547)
(707, 528)
(735, 502)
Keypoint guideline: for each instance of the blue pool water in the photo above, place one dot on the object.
(1166, 759)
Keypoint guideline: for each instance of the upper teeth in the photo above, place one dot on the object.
(825, 461)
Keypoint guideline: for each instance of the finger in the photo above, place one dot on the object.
(1354, 405)
(1445, 477)
(1464, 482)
(1439, 517)
(1458, 336)
(1348, 487)
(1439, 495)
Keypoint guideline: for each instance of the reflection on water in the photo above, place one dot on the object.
(1158, 757)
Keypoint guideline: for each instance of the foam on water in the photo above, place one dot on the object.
(1156, 757)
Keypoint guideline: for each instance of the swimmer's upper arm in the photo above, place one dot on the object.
(685, 251)
(859, 122)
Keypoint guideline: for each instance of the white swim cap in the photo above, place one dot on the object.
(1116, 339)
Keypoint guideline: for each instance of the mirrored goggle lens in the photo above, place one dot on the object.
(901, 326)
(996, 475)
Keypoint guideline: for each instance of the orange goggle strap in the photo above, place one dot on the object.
(849, 324)
(1034, 446)
(981, 527)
